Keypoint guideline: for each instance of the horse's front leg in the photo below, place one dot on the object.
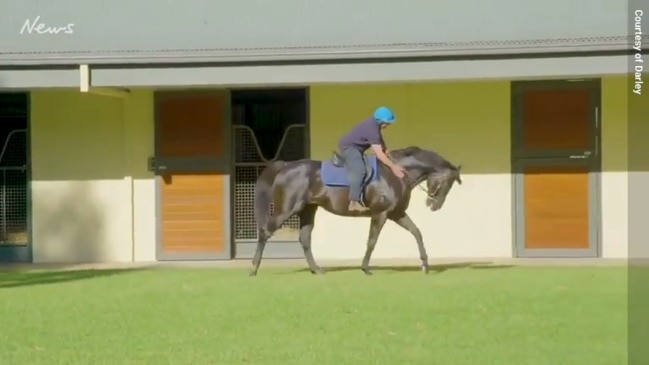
(404, 221)
(376, 225)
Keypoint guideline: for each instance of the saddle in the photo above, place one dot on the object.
(333, 172)
(339, 161)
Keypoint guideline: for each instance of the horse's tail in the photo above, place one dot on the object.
(264, 193)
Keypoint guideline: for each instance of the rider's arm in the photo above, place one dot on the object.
(385, 149)
(378, 146)
(378, 150)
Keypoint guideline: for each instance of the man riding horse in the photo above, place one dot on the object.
(301, 187)
(363, 136)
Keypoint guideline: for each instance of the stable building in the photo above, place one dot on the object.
(130, 138)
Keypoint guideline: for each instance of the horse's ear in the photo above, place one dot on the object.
(457, 176)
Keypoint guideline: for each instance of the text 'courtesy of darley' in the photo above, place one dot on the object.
(638, 64)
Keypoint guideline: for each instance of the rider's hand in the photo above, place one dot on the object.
(398, 171)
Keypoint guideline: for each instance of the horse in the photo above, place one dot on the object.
(302, 186)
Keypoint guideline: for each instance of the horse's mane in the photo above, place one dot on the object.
(430, 158)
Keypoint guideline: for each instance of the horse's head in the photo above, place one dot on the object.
(440, 174)
(439, 184)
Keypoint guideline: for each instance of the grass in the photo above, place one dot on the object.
(466, 315)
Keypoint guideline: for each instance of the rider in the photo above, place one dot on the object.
(353, 145)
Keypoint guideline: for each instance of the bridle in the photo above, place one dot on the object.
(430, 195)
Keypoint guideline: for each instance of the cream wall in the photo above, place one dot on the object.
(468, 123)
(92, 197)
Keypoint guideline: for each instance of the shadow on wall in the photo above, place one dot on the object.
(638, 132)
(69, 226)
(468, 123)
(99, 137)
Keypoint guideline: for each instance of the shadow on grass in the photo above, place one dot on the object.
(19, 278)
(412, 268)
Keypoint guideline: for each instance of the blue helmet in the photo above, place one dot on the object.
(383, 114)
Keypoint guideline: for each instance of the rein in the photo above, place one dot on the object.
(414, 182)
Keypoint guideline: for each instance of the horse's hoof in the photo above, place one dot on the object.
(367, 271)
(424, 269)
(317, 271)
(252, 273)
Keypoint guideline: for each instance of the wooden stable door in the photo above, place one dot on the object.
(556, 207)
(556, 159)
(192, 165)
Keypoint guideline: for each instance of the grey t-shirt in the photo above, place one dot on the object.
(361, 136)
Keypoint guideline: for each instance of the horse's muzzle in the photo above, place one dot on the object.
(433, 203)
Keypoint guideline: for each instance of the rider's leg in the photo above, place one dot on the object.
(355, 166)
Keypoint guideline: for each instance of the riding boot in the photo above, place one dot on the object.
(355, 206)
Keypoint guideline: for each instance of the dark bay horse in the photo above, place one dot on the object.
(297, 187)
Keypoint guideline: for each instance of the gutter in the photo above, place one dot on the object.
(310, 54)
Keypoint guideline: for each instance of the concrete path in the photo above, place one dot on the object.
(300, 263)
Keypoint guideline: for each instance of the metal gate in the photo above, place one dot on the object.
(13, 175)
(249, 162)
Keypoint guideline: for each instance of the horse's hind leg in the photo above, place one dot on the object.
(283, 211)
(264, 235)
(307, 220)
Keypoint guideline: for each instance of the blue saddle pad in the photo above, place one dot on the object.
(337, 176)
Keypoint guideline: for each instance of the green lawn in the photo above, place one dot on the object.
(459, 315)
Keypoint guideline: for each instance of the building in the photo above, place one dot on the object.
(133, 131)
